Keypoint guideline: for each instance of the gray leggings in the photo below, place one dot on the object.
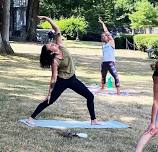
(109, 66)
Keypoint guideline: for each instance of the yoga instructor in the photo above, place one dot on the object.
(57, 57)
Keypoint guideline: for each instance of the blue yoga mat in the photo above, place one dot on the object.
(64, 124)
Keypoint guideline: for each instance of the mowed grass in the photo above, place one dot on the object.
(24, 85)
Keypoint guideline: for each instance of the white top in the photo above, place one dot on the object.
(108, 53)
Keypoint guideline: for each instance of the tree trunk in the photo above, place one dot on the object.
(31, 19)
(4, 34)
(5, 47)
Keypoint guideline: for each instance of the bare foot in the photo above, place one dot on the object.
(102, 86)
(99, 90)
(95, 122)
(30, 121)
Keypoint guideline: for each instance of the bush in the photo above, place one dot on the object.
(73, 27)
(70, 27)
(44, 25)
(144, 41)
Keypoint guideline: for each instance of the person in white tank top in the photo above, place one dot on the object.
(108, 59)
(108, 52)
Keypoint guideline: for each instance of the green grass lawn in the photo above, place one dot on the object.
(24, 85)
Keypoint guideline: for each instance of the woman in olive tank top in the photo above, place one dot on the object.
(57, 57)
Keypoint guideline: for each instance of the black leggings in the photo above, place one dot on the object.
(109, 66)
(74, 84)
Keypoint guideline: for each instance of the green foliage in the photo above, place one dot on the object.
(122, 8)
(116, 13)
(91, 10)
(144, 41)
(69, 27)
(126, 5)
(45, 25)
(47, 8)
(144, 16)
(72, 26)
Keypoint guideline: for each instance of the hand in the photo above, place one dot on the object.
(100, 20)
(48, 98)
(150, 129)
(42, 17)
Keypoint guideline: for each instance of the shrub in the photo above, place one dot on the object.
(70, 27)
(44, 25)
(144, 41)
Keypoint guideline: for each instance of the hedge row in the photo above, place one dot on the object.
(71, 28)
(147, 41)
(144, 41)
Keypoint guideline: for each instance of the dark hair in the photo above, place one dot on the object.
(46, 58)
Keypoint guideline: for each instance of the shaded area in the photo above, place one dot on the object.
(24, 85)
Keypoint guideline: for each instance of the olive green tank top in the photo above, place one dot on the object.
(66, 68)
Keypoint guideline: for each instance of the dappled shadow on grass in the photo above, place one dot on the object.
(134, 114)
(24, 85)
(134, 66)
(134, 69)
(125, 65)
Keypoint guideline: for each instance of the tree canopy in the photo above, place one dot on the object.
(116, 13)
(145, 15)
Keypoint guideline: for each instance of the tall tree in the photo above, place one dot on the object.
(145, 15)
(31, 19)
(4, 28)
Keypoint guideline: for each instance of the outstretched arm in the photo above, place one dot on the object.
(100, 20)
(106, 32)
(58, 39)
(53, 79)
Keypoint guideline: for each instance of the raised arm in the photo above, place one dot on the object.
(106, 32)
(58, 38)
(100, 20)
